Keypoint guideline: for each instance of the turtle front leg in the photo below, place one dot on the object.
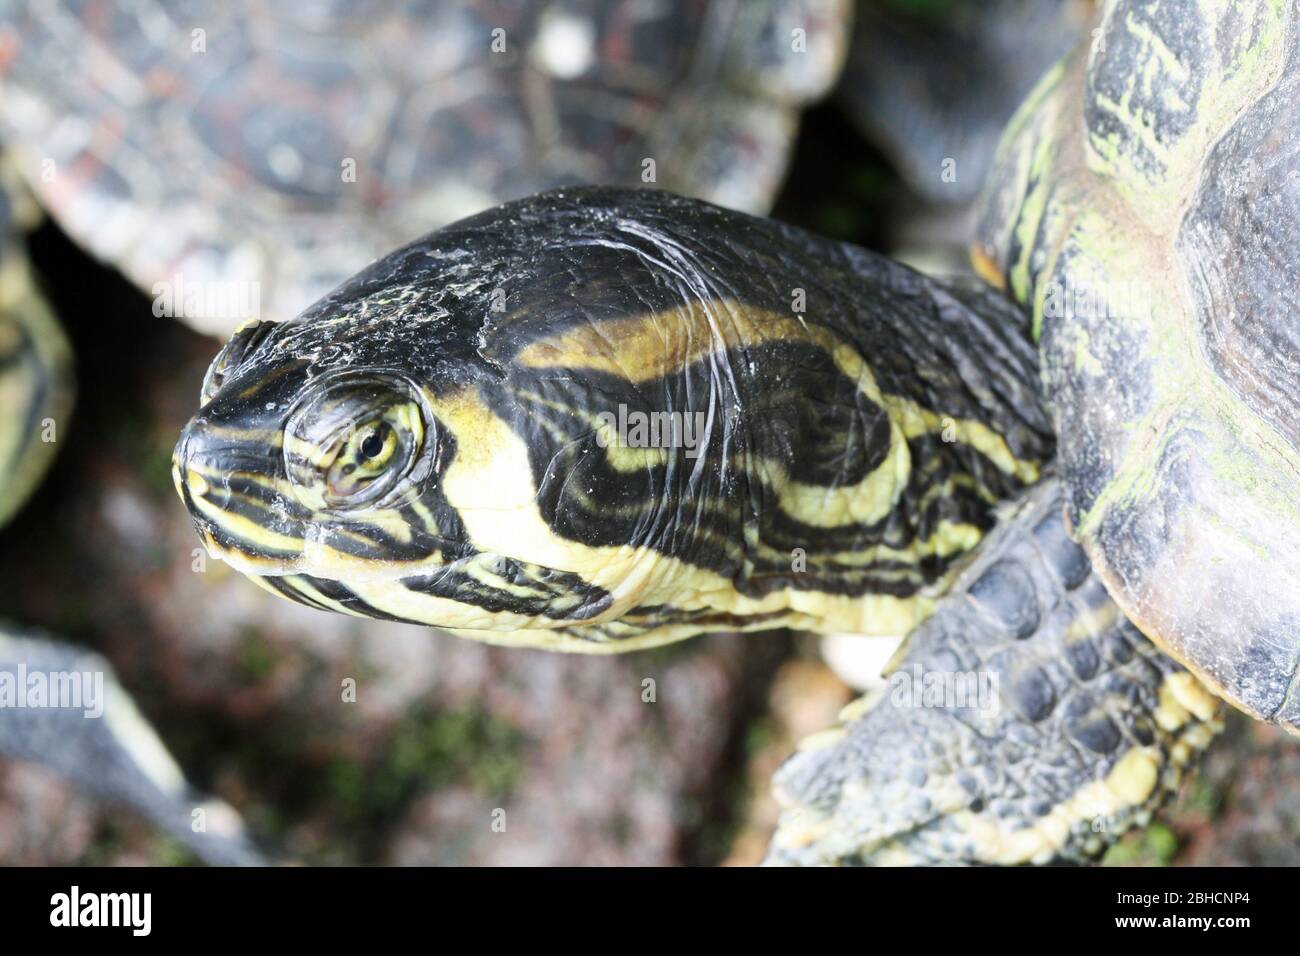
(1026, 721)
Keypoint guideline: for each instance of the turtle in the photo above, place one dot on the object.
(407, 450)
(601, 419)
(1146, 220)
(1143, 208)
(286, 145)
(36, 380)
(103, 745)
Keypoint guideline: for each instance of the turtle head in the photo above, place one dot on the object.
(599, 414)
(399, 451)
(306, 461)
(336, 458)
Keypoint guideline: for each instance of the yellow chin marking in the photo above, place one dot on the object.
(198, 485)
(243, 529)
(810, 611)
(568, 643)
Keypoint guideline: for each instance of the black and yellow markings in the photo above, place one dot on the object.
(527, 479)
(807, 454)
(1103, 727)
(827, 455)
(1134, 786)
(843, 466)
(645, 528)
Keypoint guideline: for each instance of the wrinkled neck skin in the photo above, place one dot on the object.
(642, 418)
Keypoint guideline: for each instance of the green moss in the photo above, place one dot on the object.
(1157, 845)
(341, 807)
(347, 781)
(114, 838)
(759, 735)
(870, 182)
(427, 751)
(838, 221)
(1203, 798)
(147, 450)
(255, 657)
(474, 745)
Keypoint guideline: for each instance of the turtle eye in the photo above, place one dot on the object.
(371, 452)
(241, 345)
(353, 444)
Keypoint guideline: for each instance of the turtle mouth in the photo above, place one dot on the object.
(242, 509)
(239, 553)
(249, 513)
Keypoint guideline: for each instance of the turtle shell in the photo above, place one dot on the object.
(239, 161)
(1147, 207)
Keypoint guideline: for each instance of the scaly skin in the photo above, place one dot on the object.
(1026, 721)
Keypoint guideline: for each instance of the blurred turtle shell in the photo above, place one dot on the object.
(239, 160)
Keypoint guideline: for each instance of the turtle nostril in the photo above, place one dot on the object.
(215, 472)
